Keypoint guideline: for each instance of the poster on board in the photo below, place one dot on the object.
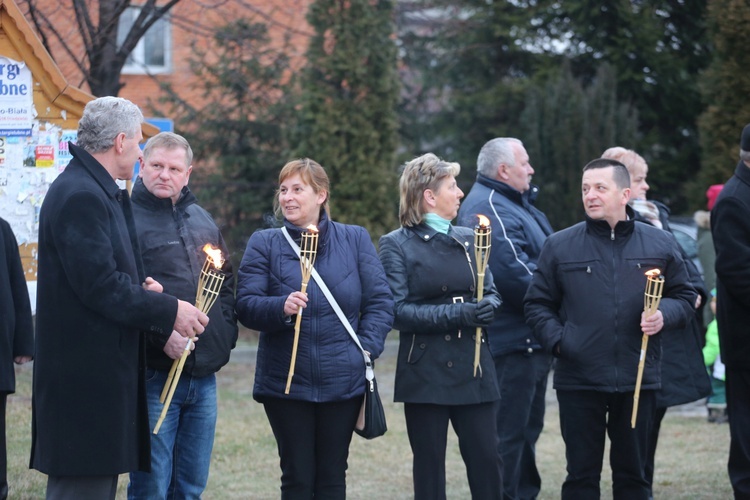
(16, 99)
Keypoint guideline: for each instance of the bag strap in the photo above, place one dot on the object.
(369, 373)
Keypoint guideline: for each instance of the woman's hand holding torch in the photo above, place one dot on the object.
(652, 322)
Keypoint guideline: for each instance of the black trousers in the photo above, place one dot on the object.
(3, 449)
(522, 378)
(738, 409)
(475, 426)
(313, 441)
(653, 441)
(82, 487)
(586, 418)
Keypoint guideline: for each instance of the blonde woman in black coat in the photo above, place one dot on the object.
(431, 271)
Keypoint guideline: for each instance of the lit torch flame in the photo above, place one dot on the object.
(484, 222)
(214, 254)
(312, 228)
(653, 272)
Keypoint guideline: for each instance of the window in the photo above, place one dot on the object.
(153, 52)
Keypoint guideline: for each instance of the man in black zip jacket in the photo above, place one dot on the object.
(585, 303)
(172, 230)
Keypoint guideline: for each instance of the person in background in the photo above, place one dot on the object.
(585, 303)
(89, 416)
(730, 228)
(705, 244)
(314, 423)
(16, 331)
(717, 401)
(504, 194)
(172, 230)
(432, 272)
(683, 374)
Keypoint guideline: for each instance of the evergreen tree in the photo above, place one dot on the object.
(348, 123)
(566, 125)
(725, 89)
(467, 70)
(237, 132)
(657, 48)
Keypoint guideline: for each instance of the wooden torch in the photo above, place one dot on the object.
(651, 299)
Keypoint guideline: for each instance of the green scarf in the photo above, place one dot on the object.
(437, 223)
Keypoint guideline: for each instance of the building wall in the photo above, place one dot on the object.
(192, 21)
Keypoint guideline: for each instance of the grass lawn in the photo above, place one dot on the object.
(690, 462)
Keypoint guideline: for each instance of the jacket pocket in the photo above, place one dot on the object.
(644, 264)
(416, 350)
(637, 267)
(577, 275)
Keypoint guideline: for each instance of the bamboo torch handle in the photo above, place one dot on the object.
(295, 343)
(478, 336)
(172, 388)
(638, 380)
(170, 377)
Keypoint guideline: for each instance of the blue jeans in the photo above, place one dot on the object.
(181, 452)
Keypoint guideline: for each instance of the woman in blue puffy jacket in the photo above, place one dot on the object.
(313, 424)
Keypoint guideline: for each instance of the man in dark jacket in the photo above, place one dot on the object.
(172, 230)
(16, 335)
(730, 227)
(503, 194)
(89, 416)
(585, 303)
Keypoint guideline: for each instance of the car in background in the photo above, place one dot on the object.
(685, 232)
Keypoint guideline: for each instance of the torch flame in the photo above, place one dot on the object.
(653, 272)
(312, 228)
(483, 221)
(214, 254)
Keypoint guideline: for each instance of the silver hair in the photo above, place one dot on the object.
(103, 119)
(744, 155)
(494, 153)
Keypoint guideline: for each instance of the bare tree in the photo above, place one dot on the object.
(91, 43)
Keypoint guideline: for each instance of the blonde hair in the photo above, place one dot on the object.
(311, 174)
(422, 173)
(169, 140)
(627, 157)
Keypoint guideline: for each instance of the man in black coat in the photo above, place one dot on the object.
(89, 416)
(585, 303)
(16, 334)
(730, 227)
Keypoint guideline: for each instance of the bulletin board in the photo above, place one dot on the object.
(28, 165)
(39, 113)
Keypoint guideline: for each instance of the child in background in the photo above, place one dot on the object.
(717, 401)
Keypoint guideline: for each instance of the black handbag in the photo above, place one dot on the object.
(371, 421)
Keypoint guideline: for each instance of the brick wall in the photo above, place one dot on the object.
(193, 20)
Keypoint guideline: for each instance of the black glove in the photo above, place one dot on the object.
(485, 312)
(481, 314)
